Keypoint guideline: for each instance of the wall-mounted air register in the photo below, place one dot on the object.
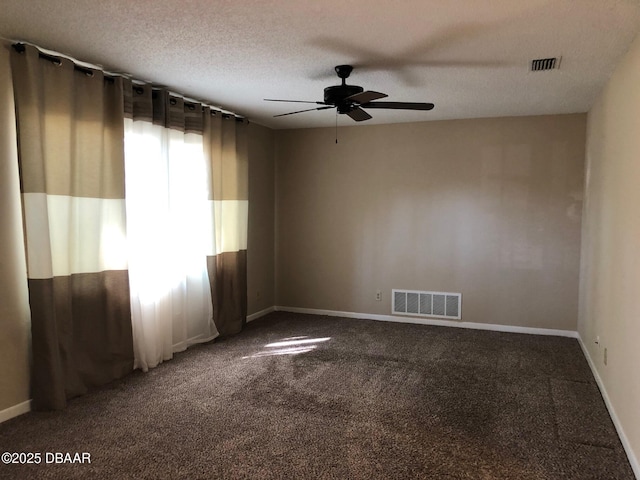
(426, 304)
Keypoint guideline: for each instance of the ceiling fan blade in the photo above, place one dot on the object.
(293, 101)
(400, 105)
(301, 111)
(359, 115)
(366, 97)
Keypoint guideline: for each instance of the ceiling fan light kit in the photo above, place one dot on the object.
(351, 99)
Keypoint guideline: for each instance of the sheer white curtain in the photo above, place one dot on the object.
(168, 233)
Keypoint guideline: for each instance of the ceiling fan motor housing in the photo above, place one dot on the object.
(336, 94)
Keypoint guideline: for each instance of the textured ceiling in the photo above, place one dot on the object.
(469, 57)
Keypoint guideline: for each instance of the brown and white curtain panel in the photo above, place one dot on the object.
(225, 146)
(135, 216)
(70, 130)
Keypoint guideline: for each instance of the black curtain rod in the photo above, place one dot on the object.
(20, 48)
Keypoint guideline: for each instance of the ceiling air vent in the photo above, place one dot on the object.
(542, 64)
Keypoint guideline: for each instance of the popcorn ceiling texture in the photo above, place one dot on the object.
(471, 58)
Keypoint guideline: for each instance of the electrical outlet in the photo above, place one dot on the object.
(605, 355)
(378, 296)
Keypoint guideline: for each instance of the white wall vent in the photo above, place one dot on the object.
(426, 304)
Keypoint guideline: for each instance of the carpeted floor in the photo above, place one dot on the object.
(339, 399)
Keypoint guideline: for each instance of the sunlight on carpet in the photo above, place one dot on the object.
(293, 346)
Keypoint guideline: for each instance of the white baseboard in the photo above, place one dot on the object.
(433, 321)
(633, 460)
(16, 410)
(261, 313)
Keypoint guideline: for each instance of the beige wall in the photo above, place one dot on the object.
(610, 276)
(260, 250)
(487, 207)
(15, 325)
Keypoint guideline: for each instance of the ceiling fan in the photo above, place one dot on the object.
(351, 99)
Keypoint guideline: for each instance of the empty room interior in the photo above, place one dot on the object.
(320, 239)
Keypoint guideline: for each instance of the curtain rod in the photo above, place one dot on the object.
(20, 48)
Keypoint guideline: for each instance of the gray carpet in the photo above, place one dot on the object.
(377, 400)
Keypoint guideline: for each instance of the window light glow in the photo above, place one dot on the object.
(166, 204)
